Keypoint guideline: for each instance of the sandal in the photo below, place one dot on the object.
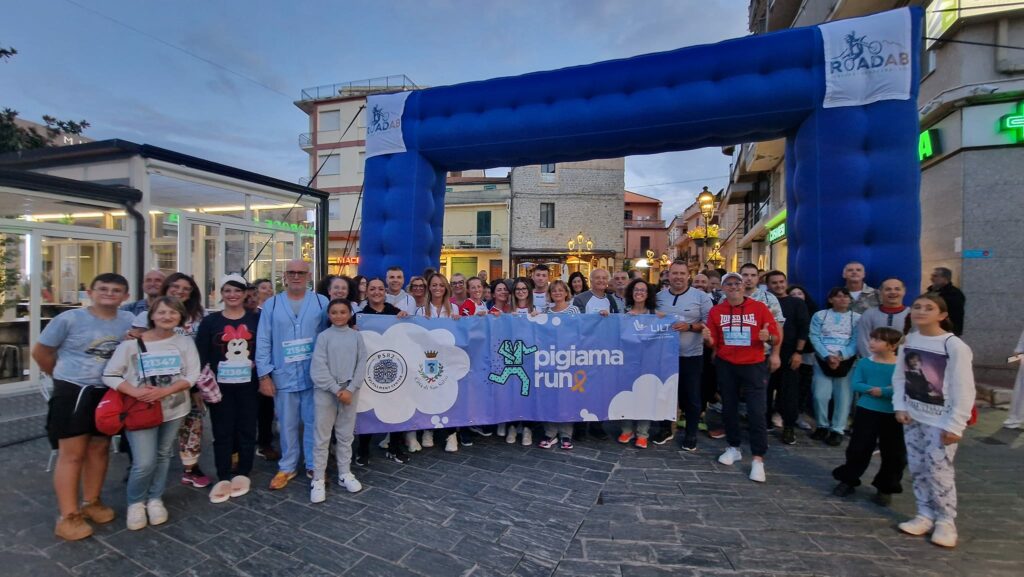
(221, 492)
(240, 485)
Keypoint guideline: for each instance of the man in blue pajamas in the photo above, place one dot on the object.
(288, 327)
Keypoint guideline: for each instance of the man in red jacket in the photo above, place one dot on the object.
(738, 328)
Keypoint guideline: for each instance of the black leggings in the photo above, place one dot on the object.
(234, 426)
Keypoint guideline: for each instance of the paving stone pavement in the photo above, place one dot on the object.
(496, 509)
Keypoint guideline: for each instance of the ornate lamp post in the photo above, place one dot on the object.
(578, 244)
(706, 204)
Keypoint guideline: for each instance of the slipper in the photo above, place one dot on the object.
(240, 485)
(221, 492)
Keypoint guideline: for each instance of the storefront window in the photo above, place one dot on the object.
(14, 320)
(261, 255)
(187, 196)
(46, 209)
(204, 262)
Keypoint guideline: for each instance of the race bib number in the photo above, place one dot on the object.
(736, 336)
(230, 372)
(297, 350)
(158, 364)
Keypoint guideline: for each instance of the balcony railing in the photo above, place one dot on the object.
(306, 140)
(396, 83)
(636, 223)
(472, 242)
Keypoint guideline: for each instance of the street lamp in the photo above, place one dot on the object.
(706, 204)
(578, 245)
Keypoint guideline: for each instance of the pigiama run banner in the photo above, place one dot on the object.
(435, 373)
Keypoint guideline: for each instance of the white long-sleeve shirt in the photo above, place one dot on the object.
(934, 381)
(167, 361)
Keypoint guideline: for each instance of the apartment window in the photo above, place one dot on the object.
(547, 169)
(329, 120)
(331, 164)
(645, 244)
(629, 215)
(362, 161)
(547, 215)
(334, 209)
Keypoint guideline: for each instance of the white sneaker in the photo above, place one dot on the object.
(428, 439)
(917, 526)
(384, 443)
(350, 483)
(730, 456)
(944, 534)
(411, 443)
(156, 512)
(777, 420)
(757, 471)
(451, 445)
(500, 430)
(527, 437)
(136, 518)
(317, 491)
(510, 438)
(1012, 424)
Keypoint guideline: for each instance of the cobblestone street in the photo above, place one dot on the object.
(497, 509)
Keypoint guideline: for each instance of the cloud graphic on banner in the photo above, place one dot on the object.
(649, 395)
(587, 415)
(541, 319)
(425, 365)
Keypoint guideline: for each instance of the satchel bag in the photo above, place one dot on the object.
(118, 411)
(841, 371)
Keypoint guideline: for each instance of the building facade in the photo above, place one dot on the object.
(72, 212)
(581, 203)
(477, 222)
(336, 145)
(971, 104)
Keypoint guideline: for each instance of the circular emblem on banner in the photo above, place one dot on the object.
(385, 371)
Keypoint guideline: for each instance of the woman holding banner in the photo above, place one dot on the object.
(522, 304)
(641, 299)
(439, 306)
(560, 303)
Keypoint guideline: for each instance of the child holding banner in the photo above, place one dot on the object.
(337, 369)
(559, 303)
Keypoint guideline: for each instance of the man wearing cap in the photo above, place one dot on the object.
(288, 327)
(741, 330)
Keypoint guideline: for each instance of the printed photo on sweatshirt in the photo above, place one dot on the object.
(924, 371)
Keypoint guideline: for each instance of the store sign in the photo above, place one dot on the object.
(776, 234)
(347, 260)
(1013, 124)
(942, 15)
(928, 144)
(288, 226)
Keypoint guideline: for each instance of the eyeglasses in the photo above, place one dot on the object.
(418, 286)
(732, 284)
(296, 272)
(458, 282)
(522, 289)
(109, 291)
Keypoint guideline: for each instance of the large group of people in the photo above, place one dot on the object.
(751, 347)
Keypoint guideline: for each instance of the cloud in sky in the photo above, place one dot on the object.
(130, 85)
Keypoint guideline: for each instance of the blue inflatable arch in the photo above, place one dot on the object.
(852, 185)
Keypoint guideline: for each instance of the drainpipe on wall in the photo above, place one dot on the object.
(140, 244)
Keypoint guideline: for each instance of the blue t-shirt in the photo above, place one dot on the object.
(84, 343)
(868, 374)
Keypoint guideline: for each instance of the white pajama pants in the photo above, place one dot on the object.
(931, 465)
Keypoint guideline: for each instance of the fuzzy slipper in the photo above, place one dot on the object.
(221, 492)
(240, 485)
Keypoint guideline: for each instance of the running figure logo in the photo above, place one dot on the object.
(514, 353)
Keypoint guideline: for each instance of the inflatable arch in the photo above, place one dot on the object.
(843, 94)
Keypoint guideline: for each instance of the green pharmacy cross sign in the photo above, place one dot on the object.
(1014, 124)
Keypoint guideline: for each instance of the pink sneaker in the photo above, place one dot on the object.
(195, 477)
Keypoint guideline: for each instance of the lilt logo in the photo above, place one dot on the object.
(867, 59)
